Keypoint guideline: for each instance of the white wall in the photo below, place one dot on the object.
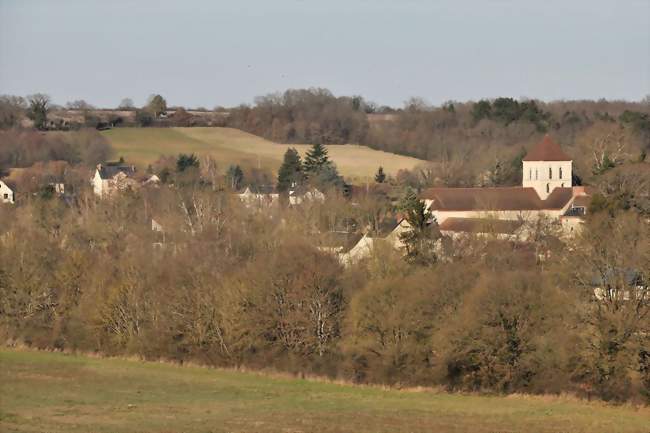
(6, 194)
(513, 215)
(536, 175)
(98, 186)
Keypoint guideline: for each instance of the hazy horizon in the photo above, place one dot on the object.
(201, 53)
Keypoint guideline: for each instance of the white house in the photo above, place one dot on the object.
(388, 234)
(152, 180)
(6, 193)
(260, 197)
(111, 178)
(300, 195)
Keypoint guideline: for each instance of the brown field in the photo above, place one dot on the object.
(143, 146)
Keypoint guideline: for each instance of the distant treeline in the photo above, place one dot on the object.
(468, 144)
(24, 148)
(304, 116)
(483, 139)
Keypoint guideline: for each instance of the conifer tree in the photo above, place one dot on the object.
(420, 239)
(235, 176)
(380, 177)
(316, 159)
(184, 162)
(291, 170)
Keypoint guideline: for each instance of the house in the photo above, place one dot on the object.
(159, 234)
(7, 193)
(111, 178)
(153, 180)
(387, 234)
(57, 187)
(546, 191)
(156, 226)
(338, 242)
(298, 195)
(260, 196)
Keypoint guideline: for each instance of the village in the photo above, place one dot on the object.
(509, 214)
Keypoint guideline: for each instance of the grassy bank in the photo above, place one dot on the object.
(55, 392)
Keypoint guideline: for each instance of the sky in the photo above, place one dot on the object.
(223, 53)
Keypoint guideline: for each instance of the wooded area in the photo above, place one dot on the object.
(226, 286)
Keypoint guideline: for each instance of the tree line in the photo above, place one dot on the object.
(222, 285)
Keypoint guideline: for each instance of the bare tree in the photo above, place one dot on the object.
(39, 105)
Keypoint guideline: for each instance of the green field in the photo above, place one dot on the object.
(53, 392)
(231, 146)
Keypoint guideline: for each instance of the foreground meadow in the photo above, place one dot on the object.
(55, 392)
(231, 146)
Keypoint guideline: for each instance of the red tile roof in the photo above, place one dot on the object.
(582, 201)
(495, 199)
(547, 150)
(479, 225)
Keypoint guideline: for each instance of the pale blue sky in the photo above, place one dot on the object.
(207, 53)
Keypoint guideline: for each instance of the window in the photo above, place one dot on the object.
(550, 173)
(530, 174)
(536, 177)
(562, 184)
(6, 196)
(561, 173)
(548, 188)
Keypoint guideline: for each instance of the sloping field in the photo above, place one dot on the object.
(231, 146)
(50, 392)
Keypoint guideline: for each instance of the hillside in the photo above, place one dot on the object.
(232, 146)
(64, 393)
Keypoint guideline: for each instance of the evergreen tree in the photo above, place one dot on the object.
(420, 239)
(157, 105)
(380, 177)
(320, 170)
(235, 176)
(291, 170)
(186, 161)
(327, 177)
(316, 159)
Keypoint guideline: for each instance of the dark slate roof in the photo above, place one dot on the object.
(547, 150)
(386, 227)
(495, 199)
(480, 225)
(263, 189)
(10, 184)
(109, 171)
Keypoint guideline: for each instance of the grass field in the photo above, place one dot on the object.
(232, 146)
(53, 392)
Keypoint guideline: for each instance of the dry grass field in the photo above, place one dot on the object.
(231, 146)
(54, 392)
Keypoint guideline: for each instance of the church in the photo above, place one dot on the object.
(546, 190)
